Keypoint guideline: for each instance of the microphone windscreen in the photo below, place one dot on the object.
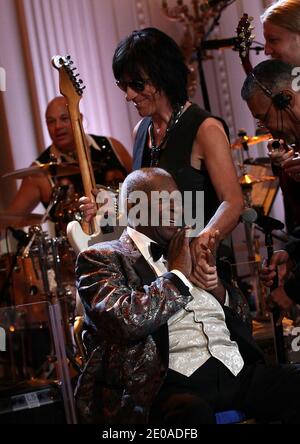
(276, 144)
(249, 215)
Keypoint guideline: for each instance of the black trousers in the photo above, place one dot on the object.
(267, 393)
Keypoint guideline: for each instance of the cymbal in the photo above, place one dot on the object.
(250, 140)
(249, 179)
(19, 220)
(52, 168)
(258, 161)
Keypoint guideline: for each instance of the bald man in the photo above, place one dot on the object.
(111, 154)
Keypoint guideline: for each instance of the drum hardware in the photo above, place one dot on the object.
(36, 257)
(56, 194)
(247, 180)
(22, 241)
(244, 140)
(42, 255)
(34, 261)
(258, 161)
(19, 220)
(242, 144)
(268, 224)
(61, 291)
(252, 243)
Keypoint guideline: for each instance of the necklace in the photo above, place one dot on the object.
(156, 149)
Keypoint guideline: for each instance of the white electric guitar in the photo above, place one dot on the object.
(83, 235)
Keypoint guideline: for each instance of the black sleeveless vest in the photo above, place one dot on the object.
(176, 156)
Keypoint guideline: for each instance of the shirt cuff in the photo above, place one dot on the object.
(183, 278)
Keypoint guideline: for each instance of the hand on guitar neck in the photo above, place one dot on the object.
(105, 199)
(88, 207)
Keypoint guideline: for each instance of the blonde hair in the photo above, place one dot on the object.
(285, 13)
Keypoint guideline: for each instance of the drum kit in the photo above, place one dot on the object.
(246, 179)
(37, 274)
(37, 269)
(259, 188)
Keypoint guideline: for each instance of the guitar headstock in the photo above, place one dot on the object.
(245, 38)
(69, 84)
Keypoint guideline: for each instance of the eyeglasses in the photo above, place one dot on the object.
(260, 123)
(136, 85)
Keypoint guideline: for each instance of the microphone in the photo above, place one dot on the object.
(220, 43)
(20, 236)
(249, 215)
(276, 145)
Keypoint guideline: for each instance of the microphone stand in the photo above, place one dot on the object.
(7, 283)
(277, 324)
(212, 45)
(202, 79)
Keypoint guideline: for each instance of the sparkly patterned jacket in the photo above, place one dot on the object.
(127, 308)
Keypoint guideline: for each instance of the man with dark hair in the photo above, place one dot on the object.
(270, 91)
(272, 96)
(273, 74)
(263, 89)
(160, 348)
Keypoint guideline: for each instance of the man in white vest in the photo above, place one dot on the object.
(161, 349)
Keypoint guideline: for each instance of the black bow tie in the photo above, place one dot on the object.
(157, 251)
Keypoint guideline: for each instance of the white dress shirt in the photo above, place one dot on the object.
(197, 331)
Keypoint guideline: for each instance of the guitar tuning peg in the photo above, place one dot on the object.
(68, 57)
(243, 45)
(242, 35)
(62, 61)
(80, 81)
(252, 37)
(251, 28)
(250, 19)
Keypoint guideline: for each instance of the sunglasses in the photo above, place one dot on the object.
(136, 85)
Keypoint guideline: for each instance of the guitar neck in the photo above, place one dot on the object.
(244, 41)
(246, 65)
(72, 89)
(87, 173)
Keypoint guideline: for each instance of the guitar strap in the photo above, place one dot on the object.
(117, 150)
